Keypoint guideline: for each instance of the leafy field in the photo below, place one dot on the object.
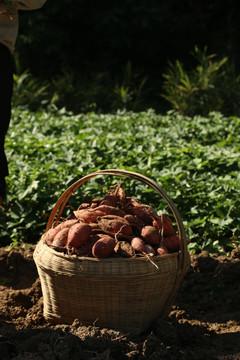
(195, 160)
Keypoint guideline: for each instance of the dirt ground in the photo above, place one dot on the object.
(204, 322)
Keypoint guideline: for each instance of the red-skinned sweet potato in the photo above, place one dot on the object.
(88, 215)
(149, 250)
(172, 243)
(139, 245)
(103, 247)
(124, 249)
(162, 250)
(78, 234)
(86, 249)
(49, 236)
(66, 224)
(150, 235)
(142, 212)
(134, 220)
(114, 224)
(164, 224)
(110, 200)
(60, 240)
(110, 210)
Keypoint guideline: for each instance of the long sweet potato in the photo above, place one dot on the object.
(88, 215)
(49, 236)
(60, 240)
(66, 224)
(110, 210)
(114, 224)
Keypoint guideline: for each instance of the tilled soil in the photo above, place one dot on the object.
(204, 322)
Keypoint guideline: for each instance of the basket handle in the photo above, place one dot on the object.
(60, 204)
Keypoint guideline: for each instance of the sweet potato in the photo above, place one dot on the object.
(124, 249)
(171, 242)
(103, 247)
(66, 224)
(149, 250)
(114, 224)
(121, 197)
(60, 240)
(162, 250)
(78, 234)
(88, 215)
(138, 245)
(150, 235)
(142, 212)
(86, 249)
(164, 224)
(111, 210)
(134, 220)
(49, 236)
(110, 200)
(96, 202)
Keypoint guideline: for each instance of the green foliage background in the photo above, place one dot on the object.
(194, 159)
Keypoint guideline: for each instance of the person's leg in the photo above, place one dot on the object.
(6, 88)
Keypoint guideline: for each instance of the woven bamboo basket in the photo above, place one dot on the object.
(119, 293)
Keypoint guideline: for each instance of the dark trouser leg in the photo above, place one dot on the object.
(6, 88)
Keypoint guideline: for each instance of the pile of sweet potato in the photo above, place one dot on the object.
(114, 226)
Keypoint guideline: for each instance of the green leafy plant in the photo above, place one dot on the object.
(29, 91)
(195, 91)
(129, 93)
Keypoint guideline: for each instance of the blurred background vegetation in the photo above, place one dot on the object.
(108, 55)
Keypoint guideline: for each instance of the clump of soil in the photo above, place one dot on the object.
(204, 322)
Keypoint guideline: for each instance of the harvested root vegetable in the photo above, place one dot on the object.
(142, 212)
(88, 215)
(86, 249)
(111, 210)
(124, 249)
(110, 200)
(162, 250)
(138, 245)
(78, 234)
(66, 224)
(60, 240)
(134, 220)
(172, 243)
(164, 224)
(149, 250)
(95, 202)
(94, 226)
(150, 235)
(49, 236)
(103, 247)
(114, 224)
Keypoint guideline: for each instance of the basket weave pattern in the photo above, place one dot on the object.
(123, 294)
